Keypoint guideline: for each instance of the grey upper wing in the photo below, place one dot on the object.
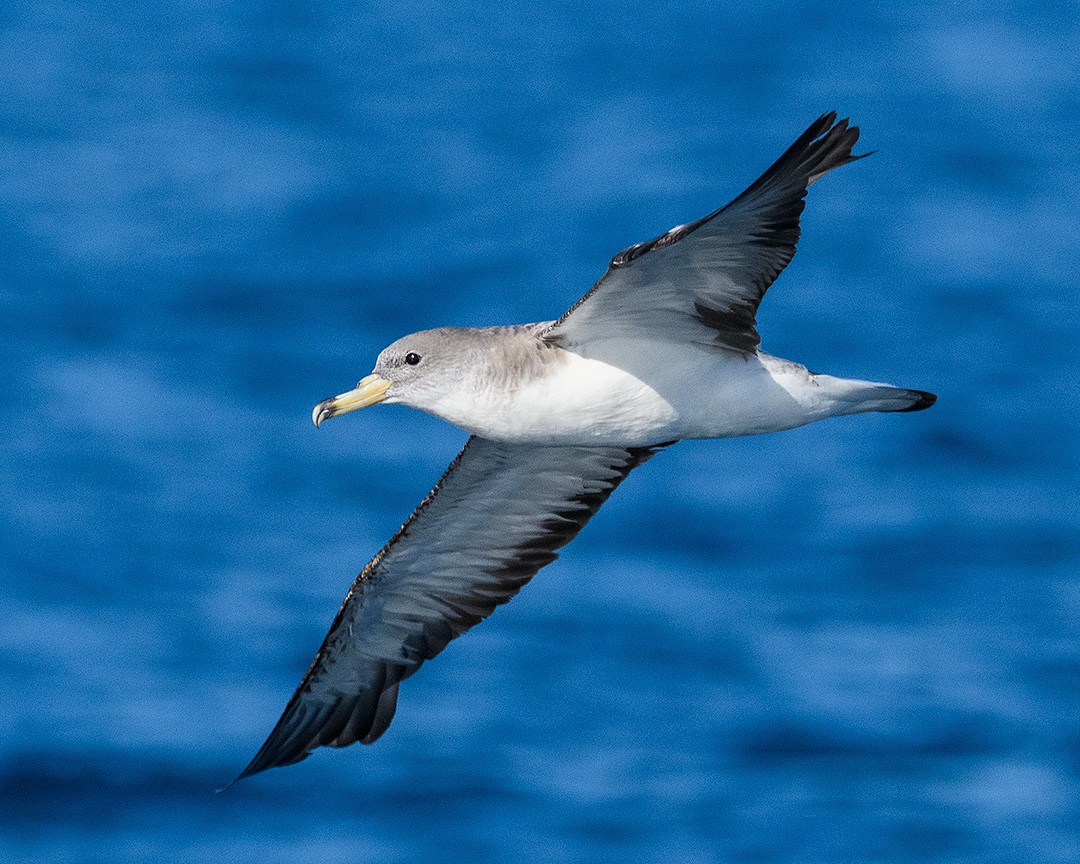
(496, 517)
(703, 281)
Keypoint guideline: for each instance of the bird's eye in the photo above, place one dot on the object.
(412, 358)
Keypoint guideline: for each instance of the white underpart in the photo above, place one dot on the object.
(645, 393)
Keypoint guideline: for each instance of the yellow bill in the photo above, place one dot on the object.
(369, 391)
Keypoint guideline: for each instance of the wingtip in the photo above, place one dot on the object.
(830, 140)
(826, 120)
(247, 772)
(261, 762)
(227, 786)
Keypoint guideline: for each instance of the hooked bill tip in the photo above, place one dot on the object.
(323, 411)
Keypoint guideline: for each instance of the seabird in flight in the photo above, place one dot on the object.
(664, 347)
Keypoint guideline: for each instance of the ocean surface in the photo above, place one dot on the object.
(855, 642)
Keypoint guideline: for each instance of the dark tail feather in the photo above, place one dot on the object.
(921, 400)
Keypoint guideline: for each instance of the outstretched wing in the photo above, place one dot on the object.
(710, 275)
(496, 517)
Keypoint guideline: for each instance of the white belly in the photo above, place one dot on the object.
(636, 394)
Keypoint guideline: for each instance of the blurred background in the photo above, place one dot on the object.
(854, 642)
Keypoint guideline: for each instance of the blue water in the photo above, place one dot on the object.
(854, 642)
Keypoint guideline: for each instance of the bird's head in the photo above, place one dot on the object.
(419, 370)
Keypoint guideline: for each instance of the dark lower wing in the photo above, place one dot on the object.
(496, 517)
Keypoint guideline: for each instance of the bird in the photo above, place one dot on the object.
(664, 347)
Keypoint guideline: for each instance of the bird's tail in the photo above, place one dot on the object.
(855, 397)
(908, 400)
